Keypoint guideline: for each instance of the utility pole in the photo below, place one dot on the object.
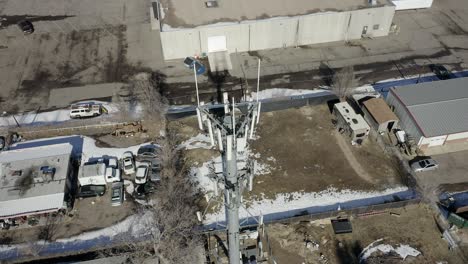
(230, 130)
(230, 133)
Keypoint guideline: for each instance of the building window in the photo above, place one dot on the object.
(376, 27)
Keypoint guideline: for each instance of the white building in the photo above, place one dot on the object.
(433, 113)
(34, 180)
(191, 28)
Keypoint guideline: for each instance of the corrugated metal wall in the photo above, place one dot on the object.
(280, 32)
(406, 121)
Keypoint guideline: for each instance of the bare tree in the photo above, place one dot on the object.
(144, 99)
(343, 81)
(170, 213)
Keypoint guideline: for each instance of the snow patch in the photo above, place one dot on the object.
(51, 117)
(290, 204)
(281, 92)
(199, 141)
(129, 188)
(403, 250)
(90, 150)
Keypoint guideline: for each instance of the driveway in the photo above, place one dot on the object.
(453, 168)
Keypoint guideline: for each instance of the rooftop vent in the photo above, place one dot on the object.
(47, 173)
(211, 4)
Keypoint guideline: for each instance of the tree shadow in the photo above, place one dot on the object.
(326, 74)
(218, 79)
(158, 82)
(348, 252)
(331, 104)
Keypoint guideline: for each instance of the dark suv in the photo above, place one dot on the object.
(91, 191)
(26, 26)
(440, 71)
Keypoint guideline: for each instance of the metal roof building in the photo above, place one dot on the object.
(433, 113)
(379, 115)
(34, 180)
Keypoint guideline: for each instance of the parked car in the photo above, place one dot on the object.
(191, 62)
(142, 173)
(424, 165)
(91, 191)
(26, 26)
(128, 164)
(149, 153)
(155, 171)
(142, 189)
(113, 175)
(118, 194)
(85, 110)
(440, 71)
(2, 143)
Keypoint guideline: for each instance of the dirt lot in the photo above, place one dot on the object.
(306, 154)
(414, 227)
(302, 153)
(88, 214)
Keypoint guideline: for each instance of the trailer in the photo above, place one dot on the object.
(92, 174)
(350, 123)
(411, 4)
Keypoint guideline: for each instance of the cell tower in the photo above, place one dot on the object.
(229, 130)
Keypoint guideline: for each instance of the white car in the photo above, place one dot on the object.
(112, 175)
(142, 173)
(85, 110)
(424, 165)
(128, 164)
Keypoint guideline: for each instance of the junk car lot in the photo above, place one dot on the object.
(103, 193)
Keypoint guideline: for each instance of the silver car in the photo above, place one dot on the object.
(117, 194)
(424, 165)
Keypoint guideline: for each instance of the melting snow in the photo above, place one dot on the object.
(402, 250)
(51, 117)
(199, 141)
(283, 92)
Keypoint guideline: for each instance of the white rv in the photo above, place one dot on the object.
(92, 174)
(350, 123)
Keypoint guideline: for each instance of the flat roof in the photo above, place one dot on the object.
(379, 110)
(190, 14)
(27, 183)
(439, 107)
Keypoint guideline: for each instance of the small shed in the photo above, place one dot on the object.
(379, 115)
(341, 226)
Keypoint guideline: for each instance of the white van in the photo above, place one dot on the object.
(85, 110)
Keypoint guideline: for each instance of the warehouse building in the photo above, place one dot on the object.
(34, 180)
(433, 113)
(220, 28)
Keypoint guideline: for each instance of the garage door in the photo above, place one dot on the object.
(218, 55)
(216, 43)
(437, 141)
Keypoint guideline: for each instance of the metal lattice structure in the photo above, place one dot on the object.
(230, 130)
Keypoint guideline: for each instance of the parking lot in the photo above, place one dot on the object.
(452, 171)
(75, 43)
